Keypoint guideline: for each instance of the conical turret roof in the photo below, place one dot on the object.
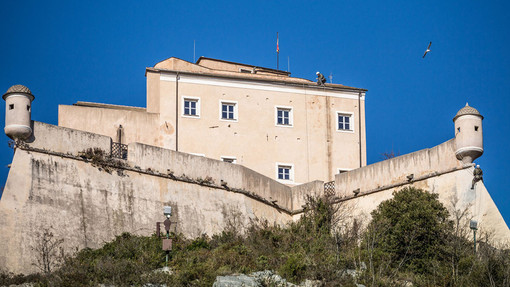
(18, 89)
(467, 110)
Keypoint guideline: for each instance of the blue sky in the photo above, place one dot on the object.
(68, 51)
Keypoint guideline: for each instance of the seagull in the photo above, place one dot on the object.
(428, 50)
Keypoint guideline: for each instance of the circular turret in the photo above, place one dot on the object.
(18, 108)
(468, 134)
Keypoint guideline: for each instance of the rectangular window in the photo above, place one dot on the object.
(228, 111)
(345, 122)
(11, 106)
(284, 116)
(285, 172)
(191, 107)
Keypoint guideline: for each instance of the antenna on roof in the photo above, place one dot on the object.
(331, 78)
(194, 51)
(288, 64)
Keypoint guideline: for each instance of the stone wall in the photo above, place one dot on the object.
(435, 170)
(88, 203)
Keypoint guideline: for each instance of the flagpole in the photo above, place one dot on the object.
(277, 53)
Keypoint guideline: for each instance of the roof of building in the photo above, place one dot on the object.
(109, 106)
(467, 110)
(226, 69)
(281, 72)
(18, 89)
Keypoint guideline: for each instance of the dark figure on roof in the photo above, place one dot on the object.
(321, 80)
(478, 175)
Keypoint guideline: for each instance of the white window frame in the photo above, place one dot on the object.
(351, 121)
(197, 100)
(291, 116)
(236, 108)
(233, 158)
(291, 172)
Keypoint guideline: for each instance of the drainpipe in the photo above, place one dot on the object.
(177, 112)
(359, 129)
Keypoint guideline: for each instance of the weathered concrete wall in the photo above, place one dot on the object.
(65, 140)
(386, 173)
(50, 187)
(301, 192)
(435, 170)
(138, 125)
(88, 206)
(198, 167)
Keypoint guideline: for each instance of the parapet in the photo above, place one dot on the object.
(65, 140)
(400, 169)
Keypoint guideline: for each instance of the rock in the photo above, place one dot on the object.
(165, 269)
(235, 281)
(259, 279)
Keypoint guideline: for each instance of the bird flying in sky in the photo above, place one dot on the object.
(428, 50)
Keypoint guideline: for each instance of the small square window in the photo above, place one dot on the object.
(11, 107)
(476, 128)
(345, 122)
(284, 116)
(285, 172)
(228, 111)
(191, 107)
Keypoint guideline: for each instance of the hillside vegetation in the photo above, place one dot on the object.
(411, 239)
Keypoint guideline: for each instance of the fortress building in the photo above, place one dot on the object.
(289, 129)
(217, 141)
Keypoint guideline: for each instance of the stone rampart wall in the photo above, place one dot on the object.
(65, 140)
(218, 172)
(387, 173)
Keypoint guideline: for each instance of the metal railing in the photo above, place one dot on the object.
(329, 187)
(119, 150)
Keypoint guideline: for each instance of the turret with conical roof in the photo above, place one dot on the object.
(468, 134)
(18, 108)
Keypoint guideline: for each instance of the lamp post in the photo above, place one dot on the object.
(167, 242)
(473, 225)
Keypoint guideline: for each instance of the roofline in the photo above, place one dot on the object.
(327, 87)
(174, 58)
(109, 106)
(236, 63)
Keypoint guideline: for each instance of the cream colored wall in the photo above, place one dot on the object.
(455, 193)
(87, 206)
(435, 170)
(254, 139)
(137, 126)
(65, 140)
(153, 92)
(385, 173)
(313, 146)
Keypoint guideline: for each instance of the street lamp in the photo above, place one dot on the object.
(167, 243)
(473, 225)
